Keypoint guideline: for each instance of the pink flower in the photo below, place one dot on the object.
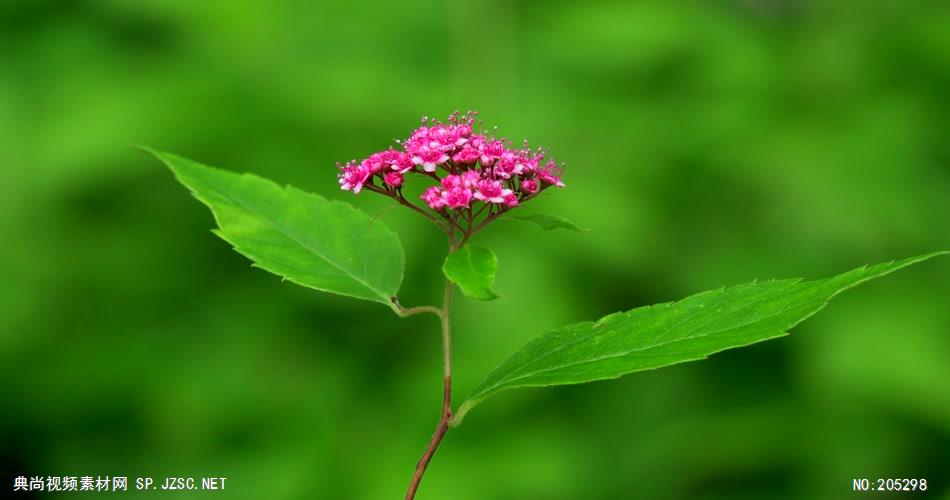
(382, 160)
(451, 181)
(402, 163)
(457, 197)
(433, 197)
(470, 178)
(446, 136)
(466, 156)
(491, 151)
(529, 186)
(530, 161)
(508, 165)
(478, 142)
(491, 191)
(551, 174)
(419, 136)
(378, 162)
(372, 163)
(393, 179)
(352, 176)
(476, 168)
(429, 158)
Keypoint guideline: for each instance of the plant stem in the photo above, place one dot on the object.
(410, 311)
(446, 414)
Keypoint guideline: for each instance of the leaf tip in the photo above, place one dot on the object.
(142, 148)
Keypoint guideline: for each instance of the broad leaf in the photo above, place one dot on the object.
(473, 269)
(665, 334)
(302, 237)
(548, 222)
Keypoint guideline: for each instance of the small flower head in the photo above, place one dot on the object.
(491, 191)
(451, 181)
(352, 176)
(393, 179)
(470, 178)
(430, 157)
(529, 186)
(466, 156)
(476, 175)
(382, 161)
(551, 174)
(464, 131)
(403, 163)
(490, 152)
(457, 197)
(433, 197)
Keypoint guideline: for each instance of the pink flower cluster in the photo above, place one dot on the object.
(469, 167)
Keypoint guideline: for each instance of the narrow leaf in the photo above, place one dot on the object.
(654, 336)
(473, 269)
(549, 222)
(302, 237)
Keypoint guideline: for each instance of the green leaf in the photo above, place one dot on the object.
(304, 238)
(473, 269)
(654, 336)
(549, 222)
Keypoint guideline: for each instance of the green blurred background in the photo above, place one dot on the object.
(708, 143)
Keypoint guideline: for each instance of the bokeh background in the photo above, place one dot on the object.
(708, 143)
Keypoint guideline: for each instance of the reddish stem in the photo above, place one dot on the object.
(446, 415)
(440, 431)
